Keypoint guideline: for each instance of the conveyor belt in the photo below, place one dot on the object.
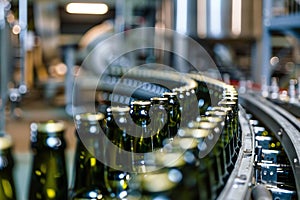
(284, 125)
(149, 83)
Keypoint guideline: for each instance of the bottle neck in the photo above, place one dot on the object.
(7, 159)
(140, 115)
(48, 141)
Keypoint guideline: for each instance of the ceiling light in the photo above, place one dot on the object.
(87, 8)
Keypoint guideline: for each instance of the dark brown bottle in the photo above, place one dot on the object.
(48, 175)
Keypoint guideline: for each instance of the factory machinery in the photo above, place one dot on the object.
(251, 143)
(254, 140)
(264, 160)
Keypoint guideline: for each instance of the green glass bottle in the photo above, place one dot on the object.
(187, 101)
(234, 128)
(118, 155)
(88, 173)
(226, 136)
(139, 112)
(7, 185)
(159, 119)
(204, 97)
(196, 171)
(223, 141)
(207, 131)
(174, 113)
(118, 124)
(173, 175)
(213, 124)
(207, 184)
(116, 182)
(48, 175)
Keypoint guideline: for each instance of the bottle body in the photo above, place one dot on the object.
(159, 117)
(7, 185)
(88, 182)
(140, 115)
(173, 113)
(48, 175)
(119, 157)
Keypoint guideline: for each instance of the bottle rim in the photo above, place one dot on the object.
(5, 142)
(141, 103)
(158, 99)
(90, 116)
(50, 126)
(118, 109)
(170, 94)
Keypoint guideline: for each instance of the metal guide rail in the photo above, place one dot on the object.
(284, 126)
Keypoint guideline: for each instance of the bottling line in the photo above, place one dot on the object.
(168, 99)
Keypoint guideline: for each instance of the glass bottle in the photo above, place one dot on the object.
(139, 112)
(119, 156)
(174, 113)
(222, 144)
(48, 174)
(226, 136)
(88, 173)
(118, 124)
(207, 184)
(187, 101)
(7, 185)
(173, 175)
(232, 98)
(159, 119)
(209, 149)
(235, 138)
(204, 98)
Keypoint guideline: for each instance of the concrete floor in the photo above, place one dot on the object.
(34, 108)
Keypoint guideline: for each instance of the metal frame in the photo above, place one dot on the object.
(278, 122)
(239, 182)
(285, 24)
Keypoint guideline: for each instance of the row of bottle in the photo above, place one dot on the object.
(138, 152)
(272, 167)
(291, 94)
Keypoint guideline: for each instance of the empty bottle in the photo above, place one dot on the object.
(174, 113)
(88, 182)
(7, 185)
(139, 112)
(48, 175)
(159, 118)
